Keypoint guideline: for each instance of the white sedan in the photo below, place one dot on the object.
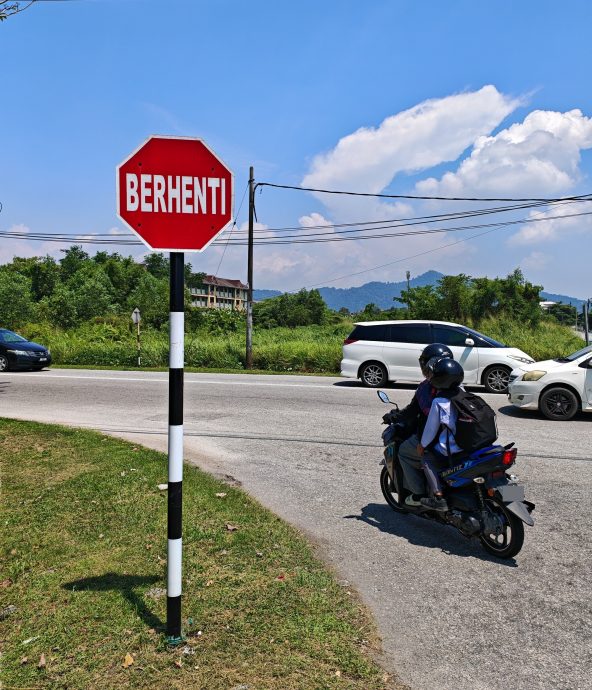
(559, 388)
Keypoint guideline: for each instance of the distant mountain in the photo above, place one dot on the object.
(382, 294)
(574, 301)
(259, 295)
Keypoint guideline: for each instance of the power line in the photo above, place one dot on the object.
(231, 229)
(422, 220)
(405, 258)
(311, 239)
(412, 196)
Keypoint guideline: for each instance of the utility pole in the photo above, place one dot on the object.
(586, 312)
(249, 357)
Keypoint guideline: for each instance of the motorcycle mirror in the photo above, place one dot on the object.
(383, 396)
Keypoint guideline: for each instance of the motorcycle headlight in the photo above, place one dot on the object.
(534, 375)
(19, 352)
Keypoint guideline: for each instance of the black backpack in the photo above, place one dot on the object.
(475, 425)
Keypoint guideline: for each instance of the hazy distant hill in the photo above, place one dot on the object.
(381, 294)
(563, 298)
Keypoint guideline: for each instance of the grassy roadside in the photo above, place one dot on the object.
(83, 547)
(304, 350)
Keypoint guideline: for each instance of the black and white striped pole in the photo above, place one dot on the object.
(175, 480)
(177, 196)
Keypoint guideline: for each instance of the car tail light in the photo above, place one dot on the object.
(509, 457)
(350, 341)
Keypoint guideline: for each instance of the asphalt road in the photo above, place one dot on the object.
(309, 447)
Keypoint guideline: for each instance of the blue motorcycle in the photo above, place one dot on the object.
(485, 501)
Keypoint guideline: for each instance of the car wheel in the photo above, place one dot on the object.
(496, 379)
(373, 375)
(3, 363)
(559, 404)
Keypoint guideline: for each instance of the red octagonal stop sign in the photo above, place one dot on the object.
(175, 194)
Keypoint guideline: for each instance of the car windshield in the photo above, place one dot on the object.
(576, 355)
(10, 337)
(491, 341)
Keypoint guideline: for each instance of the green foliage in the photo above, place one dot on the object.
(304, 308)
(16, 305)
(45, 275)
(73, 260)
(465, 299)
(215, 321)
(563, 313)
(370, 312)
(61, 307)
(151, 297)
(545, 340)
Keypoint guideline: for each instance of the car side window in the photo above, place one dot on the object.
(373, 333)
(450, 336)
(410, 333)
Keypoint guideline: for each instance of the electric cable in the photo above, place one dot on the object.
(411, 196)
(231, 229)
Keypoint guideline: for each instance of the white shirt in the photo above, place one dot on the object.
(442, 413)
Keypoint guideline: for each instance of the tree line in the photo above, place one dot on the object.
(78, 288)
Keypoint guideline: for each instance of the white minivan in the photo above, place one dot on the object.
(381, 351)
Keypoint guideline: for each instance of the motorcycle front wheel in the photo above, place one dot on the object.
(391, 492)
(510, 540)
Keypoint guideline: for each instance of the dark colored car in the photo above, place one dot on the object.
(17, 352)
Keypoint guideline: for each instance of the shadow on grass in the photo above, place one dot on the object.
(126, 584)
(425, 532)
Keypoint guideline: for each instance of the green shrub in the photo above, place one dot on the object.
(111, 341)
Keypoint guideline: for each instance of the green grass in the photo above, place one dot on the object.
(83, 548)
(547, 340)
(309, 349)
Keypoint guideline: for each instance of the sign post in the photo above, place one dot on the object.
(177, 196)
(136, 318)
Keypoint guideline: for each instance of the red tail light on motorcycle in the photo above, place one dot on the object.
(350, 341)
(509, 457)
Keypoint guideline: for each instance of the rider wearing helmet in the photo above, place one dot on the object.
(445, 376)
(415, 416)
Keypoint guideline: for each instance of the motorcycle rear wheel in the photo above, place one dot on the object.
(509, 543)
(391, 492)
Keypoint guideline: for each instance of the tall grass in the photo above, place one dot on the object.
(309, 349)
(547, 340)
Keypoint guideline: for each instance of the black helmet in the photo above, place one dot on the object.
(434, 350)
(446, 373)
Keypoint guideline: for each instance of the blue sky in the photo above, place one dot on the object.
(479, 99)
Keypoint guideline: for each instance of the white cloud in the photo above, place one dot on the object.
(556, 223)
(312, 220)
(433, 132)
(538, 157)
(535, 261)
(430, 133)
